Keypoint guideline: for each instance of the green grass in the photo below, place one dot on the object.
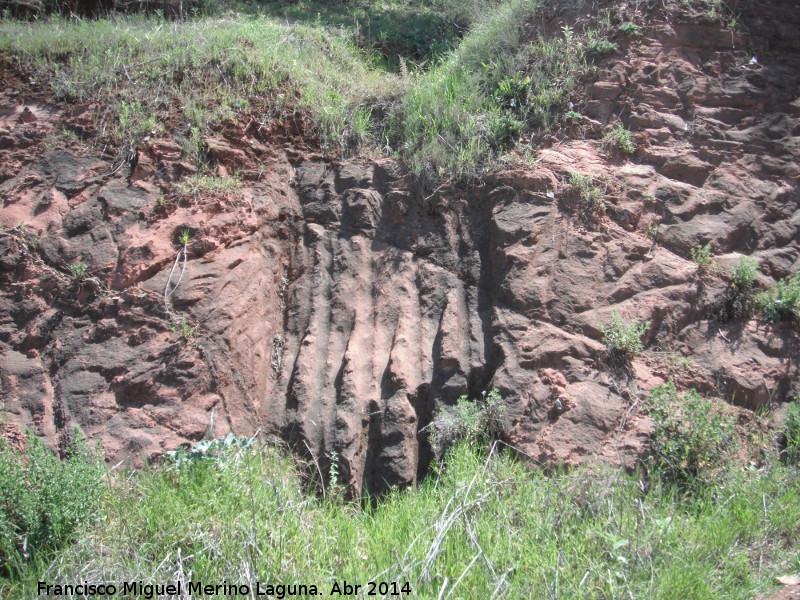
(782, 302)
(449, 85)
(146, 70)
(486, 524)
(197, 185)
(44, 501)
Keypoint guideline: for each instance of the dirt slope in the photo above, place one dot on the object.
(338, 308)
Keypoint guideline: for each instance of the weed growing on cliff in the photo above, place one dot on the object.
(476, 420)
(219, 450)
(597, 43)
(591, 195)
(135, 123)
(183, 329)
(742, 289)
(44, 501)
(199, 185)
(782, 302)
(184, 237)
(630, 29)
(738, 300)
(744, 274)
(620, 139)
(78, 271)
(621, 338)
(691, 437)
(701, 255)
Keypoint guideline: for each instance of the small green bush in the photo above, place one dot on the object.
(630, 29)
(183, 329)
(78, 271)
(624, 339)
(196, 186)
(598, 46)
(701, 255)
(690, 438)
(217, 450)
(745, 273)
(478, 420)
(791, 430)
(512, 91)
(184, 237)
(43, 500)
(591, 195)
(737, 301)
(620, 139)
(781, 303)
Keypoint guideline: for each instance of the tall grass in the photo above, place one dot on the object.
(146, 69)
(485, 527)
(473, 100)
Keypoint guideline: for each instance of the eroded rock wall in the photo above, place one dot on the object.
(338, 308)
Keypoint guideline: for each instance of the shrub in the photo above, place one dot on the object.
(506, 128)
(183, 329)
(478, 420)
(43, 500)
(624, 339)
(690, 438)
(598, 46)
(512, 91)
(701, 255)
(79, 270)
(745, 273)
(591, 195)
(217, 450)
(630, 29)
(619, 138)
(738, 298)
(781, 303)
(184, 237)
(791, 431)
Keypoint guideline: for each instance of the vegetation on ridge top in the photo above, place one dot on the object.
(449, 89)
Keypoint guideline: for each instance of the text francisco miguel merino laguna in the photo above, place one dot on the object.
(194, 588)
(149, 591)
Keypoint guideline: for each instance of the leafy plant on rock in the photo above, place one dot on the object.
(79, 271)
(478, 420)
(691, 436)
(591, 195)
(630, 29)
(701, 255)
(781, 303)
(624, 339)
(183, 329)
(620, 139)
(217, 450)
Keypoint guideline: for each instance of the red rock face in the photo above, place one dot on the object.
(338, 309)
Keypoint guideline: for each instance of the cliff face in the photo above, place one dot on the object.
(338, 307)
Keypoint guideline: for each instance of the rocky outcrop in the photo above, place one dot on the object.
(332, 304)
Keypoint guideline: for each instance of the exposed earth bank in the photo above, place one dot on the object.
(333, 304)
